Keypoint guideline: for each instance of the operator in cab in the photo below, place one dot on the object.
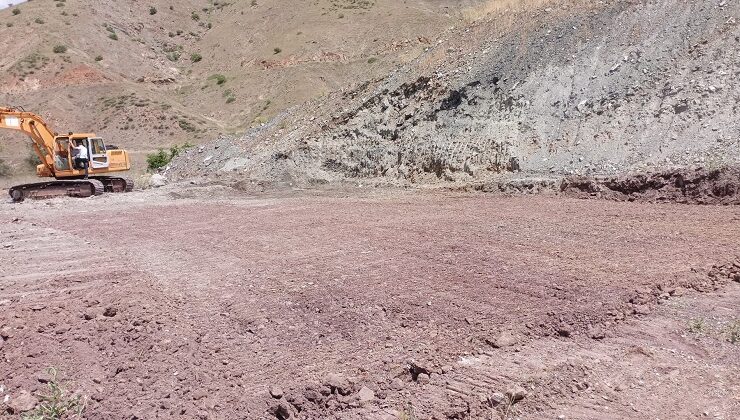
(79, 152)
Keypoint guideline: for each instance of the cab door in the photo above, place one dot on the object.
(98, 155)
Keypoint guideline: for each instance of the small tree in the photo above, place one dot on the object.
(60, 49)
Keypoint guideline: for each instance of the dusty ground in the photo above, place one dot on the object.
(179, 304)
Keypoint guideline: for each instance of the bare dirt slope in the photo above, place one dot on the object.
(145, 74)
(164, 305)
(548, 87)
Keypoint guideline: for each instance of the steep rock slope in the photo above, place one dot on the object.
(563, 87)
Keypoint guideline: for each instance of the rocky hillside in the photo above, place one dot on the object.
(547, 87)
(158, 73)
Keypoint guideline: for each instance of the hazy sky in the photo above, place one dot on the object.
(5, 3)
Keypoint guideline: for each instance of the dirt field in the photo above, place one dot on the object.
(391, 305)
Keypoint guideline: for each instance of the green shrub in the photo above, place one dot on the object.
(60, 49)
(163, 157)
(277, 50)
(113, 36)
(195, 57)
(99, 58)
(152, 10)
(219, 78)
(39, 21)
(16, 11)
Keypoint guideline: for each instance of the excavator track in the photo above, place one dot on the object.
(116, 184)
(60, 188)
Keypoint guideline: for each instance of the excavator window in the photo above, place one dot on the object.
(61, 154)
(97, 147)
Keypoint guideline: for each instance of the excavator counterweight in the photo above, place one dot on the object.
(75, 175)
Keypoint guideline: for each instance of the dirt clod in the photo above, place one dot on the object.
(276, 392)
(22, 402)
(516, 394)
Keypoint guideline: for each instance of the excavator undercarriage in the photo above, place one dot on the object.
(80, 188)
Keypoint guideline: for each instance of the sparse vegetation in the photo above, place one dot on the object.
(187, 126)
(57, 404)
(697, 326)
(4, 169)
(99, 58)
(39, 21)
(372, 60)
(733, 332)
(16, 11)
(407, 413)
(219, 78)
(277, 50)
(152, 10)
(60, 49)
(195, 57)
(113, 36)
(163, 157)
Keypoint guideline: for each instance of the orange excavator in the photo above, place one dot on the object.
(75, 176)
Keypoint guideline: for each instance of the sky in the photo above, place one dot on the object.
(5, 3)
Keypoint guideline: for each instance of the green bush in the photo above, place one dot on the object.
(16, 11)
(152, 10)
(195, 57)
(39, 21)
(277, 50)
(219, 78)
(163, 157)
(60, 49)
(113, 36)
(99, 58)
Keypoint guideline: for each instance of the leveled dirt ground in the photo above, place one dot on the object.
(391, 305)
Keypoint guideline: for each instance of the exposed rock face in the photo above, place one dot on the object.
(571, 88)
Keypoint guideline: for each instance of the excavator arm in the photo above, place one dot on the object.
(36, 128)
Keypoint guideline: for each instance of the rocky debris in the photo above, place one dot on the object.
(728, 271)
(564, 330)
(338, 384)
(157, 181)
(281, 411)
(6, 332)
(516, 394)
(110, 312)
(496, 399)
(596, 333)
(276, 392)
(365, 395)
(199, 394)
(21, 402)
(416, 368)
(503, 340)
(690, 186)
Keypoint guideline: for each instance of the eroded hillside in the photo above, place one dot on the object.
(559, 87)
(159, 73)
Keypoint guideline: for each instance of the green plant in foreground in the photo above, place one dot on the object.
(697, 325)
(57, 404)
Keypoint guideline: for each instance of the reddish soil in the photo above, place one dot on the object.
(167, 305)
